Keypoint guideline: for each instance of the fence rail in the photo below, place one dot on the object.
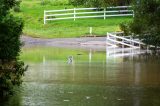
(124, 41)
(87, 13)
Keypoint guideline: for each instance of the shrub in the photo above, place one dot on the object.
(54, 2)
(146, 23)
(16, 8)
(10, 31)
(11, 69)
(99, 3)
(125, 27)
(10, 76)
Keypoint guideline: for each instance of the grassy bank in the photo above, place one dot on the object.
(32, 13)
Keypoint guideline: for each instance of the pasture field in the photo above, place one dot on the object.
(32, 13)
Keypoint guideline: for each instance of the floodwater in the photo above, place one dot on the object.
(63, 77)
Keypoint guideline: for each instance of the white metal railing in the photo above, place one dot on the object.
(113, 38)
(87, 13)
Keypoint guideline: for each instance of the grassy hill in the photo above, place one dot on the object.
(32, 13)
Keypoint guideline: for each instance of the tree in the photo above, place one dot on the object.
(99, 3)
(146, 22)
(11, 69)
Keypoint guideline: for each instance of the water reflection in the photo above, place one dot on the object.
(92, 79)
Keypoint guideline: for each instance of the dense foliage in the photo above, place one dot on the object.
(146, 23)
(10, 30)
(11, 69)
(99, 3)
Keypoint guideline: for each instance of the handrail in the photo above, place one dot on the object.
(125, 39)
(113, 38)
(123, 43)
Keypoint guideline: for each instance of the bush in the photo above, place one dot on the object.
(10, 31)
(11, 69)
(10, 76)
(146, 23)
(17, 6)
(125, 27)
(17, 9)
(99, 3)
(54, 2)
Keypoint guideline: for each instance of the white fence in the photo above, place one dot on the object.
(87, 13)
(118, 40)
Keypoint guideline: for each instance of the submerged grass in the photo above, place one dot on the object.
(37, 54)
(32, 13)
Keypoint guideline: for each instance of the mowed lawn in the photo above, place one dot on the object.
(32, 13)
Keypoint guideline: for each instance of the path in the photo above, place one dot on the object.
(83, 42)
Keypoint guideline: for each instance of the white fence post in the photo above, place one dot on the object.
(122, 42)
(130, 40)
(90, 30)
(133, 13)
(74, 14)
(44, 17)
(104, 13)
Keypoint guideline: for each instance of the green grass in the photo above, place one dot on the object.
(32, 13)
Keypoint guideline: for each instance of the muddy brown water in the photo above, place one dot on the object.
(118, 81)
